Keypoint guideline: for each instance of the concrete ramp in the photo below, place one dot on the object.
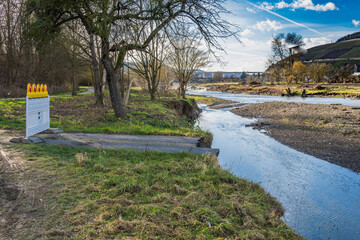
(168, 144)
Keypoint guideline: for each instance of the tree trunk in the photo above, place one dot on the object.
(152, 94)
(113, 78)
(115, 95)
(150, 87)
(73, 93)
(73, 81)
(127, 95)
(183, 92)
(153, 87)
(99, 97)
(9, 45)
(182, 89)
(103, 81)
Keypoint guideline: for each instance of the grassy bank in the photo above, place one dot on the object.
(76, 193)
(210, 101)
(78, 114)
(321, 89)
(116, 194)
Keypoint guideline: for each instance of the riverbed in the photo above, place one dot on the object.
(321, 200)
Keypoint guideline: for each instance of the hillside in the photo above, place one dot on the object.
(350, 37)
(339, 53)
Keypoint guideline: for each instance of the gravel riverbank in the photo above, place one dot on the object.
(328, 132)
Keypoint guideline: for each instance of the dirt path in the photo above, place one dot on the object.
(329, 132)
(21, 204)
(17, 198)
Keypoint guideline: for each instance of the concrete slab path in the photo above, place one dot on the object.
(168, 144)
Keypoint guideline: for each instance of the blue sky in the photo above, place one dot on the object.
(318, 21)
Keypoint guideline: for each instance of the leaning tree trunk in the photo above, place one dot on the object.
(113, 78)
(115, 95)
(99, 97)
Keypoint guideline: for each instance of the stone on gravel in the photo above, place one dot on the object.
(52, 131)
(17, 140)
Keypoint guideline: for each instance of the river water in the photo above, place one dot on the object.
(321, 200)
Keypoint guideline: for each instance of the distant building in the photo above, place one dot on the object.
(203, 76)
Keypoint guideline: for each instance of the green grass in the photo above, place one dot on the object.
(12, 114)
(320, 51)
(338, 91)
(352, 53)
(81, 90)
(205, 100)
(125, 194)
(78, 114)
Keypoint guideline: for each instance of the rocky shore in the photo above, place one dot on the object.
(328, 132)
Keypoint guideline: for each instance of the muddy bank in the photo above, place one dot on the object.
(328, 132)
(182, 107)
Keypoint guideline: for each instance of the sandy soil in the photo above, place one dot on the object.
(329, 132)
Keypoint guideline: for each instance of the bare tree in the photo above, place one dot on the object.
(10, 26)
(103, 18)
(185, 58)
(166, 78)
(218, 76)
(89, 50)
(282, 58)
(148, 65)
(343, 74)
(317, 72)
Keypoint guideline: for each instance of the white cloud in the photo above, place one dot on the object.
(297, 4)
(267, 5)
(282, 4)
(251, 10)
(259, 45)
(247, 32)
(268, 25)
(249, 55)
(280, 16)
(355, 22)
(312, 42)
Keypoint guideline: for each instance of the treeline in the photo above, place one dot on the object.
(284, 64)
(113, 44)
(313, 73)
(350, 37)
(56, 62)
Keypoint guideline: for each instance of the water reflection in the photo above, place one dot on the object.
(322, 200)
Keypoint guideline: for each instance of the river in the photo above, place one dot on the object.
(321, 200)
